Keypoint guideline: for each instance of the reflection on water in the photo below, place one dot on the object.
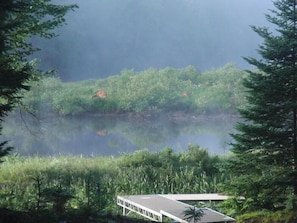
(115, 135)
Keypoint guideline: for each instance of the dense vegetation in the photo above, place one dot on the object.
(88, 186)
(84, 189)
(265, 148)
(263, 168)
(188, 90)
(20, 20)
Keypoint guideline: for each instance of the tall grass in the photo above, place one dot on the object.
(94, 182)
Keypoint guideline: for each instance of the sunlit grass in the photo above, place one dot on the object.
(21, 169)
(100, 179)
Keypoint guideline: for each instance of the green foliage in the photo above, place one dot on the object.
(90, 185)
(265, 148)
(193, 214)
(268, 217)
(168, 89)
(20, 20)
(58, 196)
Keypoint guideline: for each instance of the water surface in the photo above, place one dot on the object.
(113, 135)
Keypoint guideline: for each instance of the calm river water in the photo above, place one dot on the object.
(115, 135)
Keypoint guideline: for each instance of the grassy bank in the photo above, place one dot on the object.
(84, 189)
(89, 185)
(187, 90)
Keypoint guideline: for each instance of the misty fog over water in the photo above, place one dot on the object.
(105, 36)
(115, 135)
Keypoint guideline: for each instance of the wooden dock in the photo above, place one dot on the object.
(156, 207)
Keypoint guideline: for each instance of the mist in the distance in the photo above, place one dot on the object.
(105, 36)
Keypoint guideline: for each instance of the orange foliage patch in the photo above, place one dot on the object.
(100, 94)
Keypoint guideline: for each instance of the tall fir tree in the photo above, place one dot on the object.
(265, 146)
(20, 20)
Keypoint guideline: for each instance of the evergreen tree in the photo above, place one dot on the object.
(20, 20)
(265, 147)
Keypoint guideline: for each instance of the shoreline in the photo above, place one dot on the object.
(175, 116)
